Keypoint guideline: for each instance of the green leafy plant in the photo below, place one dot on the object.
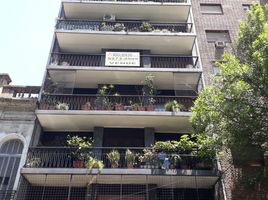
(130, 158)
(79, 144)
(165, 146)
(185, 144)
(94, 163)
(114, 157)
(146, 27)
(173, 106)
(103, 100)
(62, 106)
(119, 27)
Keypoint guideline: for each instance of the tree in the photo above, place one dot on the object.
(235, 106)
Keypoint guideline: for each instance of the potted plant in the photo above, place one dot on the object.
(146, 27)
(103, 101)
(130, 158)
(149, 159)
(119, 27)
(114, 157)
(149, 91)
(185, 144)
(62, 106)
(173, 106)
(119, 106)
(33, 162)
(141, 108)
(79, 145)
(93, 163)
(105, 27)
(174, 160)
(86, 106)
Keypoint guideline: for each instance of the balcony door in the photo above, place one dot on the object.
(121, 137)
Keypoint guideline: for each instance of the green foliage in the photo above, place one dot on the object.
(173, 106)
(185, 144)
(113, 157)
(94, 163)
(81, 144)
(146, 27)
(165, 146)
(235, 106)
(130, 156)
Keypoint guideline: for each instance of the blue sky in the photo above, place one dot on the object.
(25, 38)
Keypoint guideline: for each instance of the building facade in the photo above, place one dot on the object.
(17, 125)
(113, 68)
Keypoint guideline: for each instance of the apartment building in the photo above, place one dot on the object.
(113, 68)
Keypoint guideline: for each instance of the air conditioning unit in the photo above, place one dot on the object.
(109, 18)
(220, 44)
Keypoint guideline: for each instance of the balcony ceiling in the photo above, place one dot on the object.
(80, 41)
(90, 77)
(82, 120)
(81, 177)
(155, 12)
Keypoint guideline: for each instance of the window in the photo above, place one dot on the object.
(246, 7)
(10, 153)
(215, 35)
(211, 9)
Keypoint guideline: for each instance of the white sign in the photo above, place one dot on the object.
(122, 59)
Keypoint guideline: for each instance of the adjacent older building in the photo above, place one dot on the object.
(17, 125)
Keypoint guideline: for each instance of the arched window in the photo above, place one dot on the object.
(10, 154)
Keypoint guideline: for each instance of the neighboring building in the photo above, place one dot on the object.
(17, 124)
(130, 45)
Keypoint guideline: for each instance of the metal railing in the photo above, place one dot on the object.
(123, 26)
(113, 102)
(97, 60)
(65, 157)
(7, 194)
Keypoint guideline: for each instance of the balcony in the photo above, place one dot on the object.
(86, 112)
(155, 10)
(7, 194)
(83, 36)
(47, 163)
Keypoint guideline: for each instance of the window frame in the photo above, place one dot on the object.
(218, 31)
(212, 5)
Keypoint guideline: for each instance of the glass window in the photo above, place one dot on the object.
(246, 7)
(10, 154)
(211, 9)
(216, 35)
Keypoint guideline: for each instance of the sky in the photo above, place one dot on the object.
(26, 32)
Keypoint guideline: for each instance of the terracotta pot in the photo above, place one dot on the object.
(130, 165)
(119, 107)
(150, 108)
(78, 164)
(114, 166)
(141, 108)
(183, 166)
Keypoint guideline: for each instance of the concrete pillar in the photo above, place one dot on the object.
(146, 61)
(98, 136)
(97, 141)
(152, 195)
(148, 137)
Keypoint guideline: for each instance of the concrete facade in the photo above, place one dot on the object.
(17, 120)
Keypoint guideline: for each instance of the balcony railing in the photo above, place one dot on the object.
(113, 102)
(7, 194)
(148, 61)
(123, 26)
(64, 157)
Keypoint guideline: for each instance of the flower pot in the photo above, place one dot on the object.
(141, 108)
(114, 166)
(119, 107)
(150, 108)
(78, 164)
(184, 166)
(86, 106)
(265, 157)
(172, 166)
(130, 165)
